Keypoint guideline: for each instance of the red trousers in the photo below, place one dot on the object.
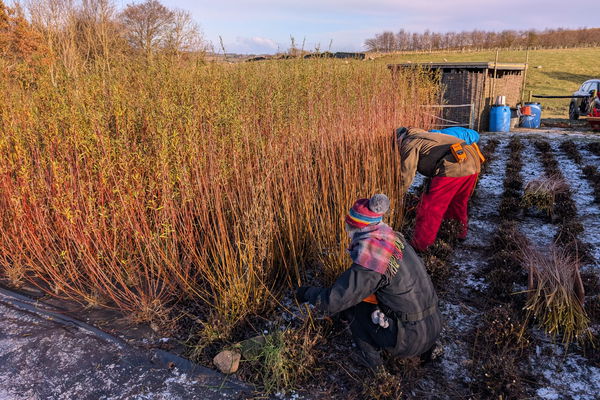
(447, 198)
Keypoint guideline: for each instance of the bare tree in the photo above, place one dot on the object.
(147, 25)
(403, 40)
(53, 19)
(150, 27)
(384, 42)
(97, 30)
(184, 34)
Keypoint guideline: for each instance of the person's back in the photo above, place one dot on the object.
(385, 276)
(452, 166)
(410, 289)
(469, 136)
(430, 154)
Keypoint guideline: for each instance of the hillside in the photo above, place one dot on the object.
(555, 71)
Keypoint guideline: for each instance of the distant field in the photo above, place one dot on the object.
(556, 71)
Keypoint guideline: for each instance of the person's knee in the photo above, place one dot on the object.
(366, 355)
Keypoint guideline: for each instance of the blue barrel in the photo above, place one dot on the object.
(534, 120)
(500, 119)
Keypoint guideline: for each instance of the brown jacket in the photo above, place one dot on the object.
(429, 154)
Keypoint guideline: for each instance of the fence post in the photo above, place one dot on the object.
(471, 115)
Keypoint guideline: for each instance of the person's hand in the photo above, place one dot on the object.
(379, 318)
(301, 293)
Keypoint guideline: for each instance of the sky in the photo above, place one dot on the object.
(267, 26)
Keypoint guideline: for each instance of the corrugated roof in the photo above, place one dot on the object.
(464, 65)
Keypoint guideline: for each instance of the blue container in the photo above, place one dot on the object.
(534, 120)
(500, 119)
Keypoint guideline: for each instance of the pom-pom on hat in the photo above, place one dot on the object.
(367, 212)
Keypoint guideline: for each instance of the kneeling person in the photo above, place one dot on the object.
(386, 293)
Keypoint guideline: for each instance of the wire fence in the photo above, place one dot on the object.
(442, 122)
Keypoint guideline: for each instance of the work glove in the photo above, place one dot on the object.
(301, 293)
(379, 318)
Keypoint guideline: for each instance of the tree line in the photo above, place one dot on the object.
(550, 38)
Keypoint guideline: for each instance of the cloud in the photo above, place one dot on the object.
(252, 45)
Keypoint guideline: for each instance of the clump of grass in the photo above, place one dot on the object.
(284, 360)
(593, 176)
(504, 269)
(543, 146)
(556, 294)
(438, 269)
(509, 205)
(591, 173)
(513, 183)
(490, 147)
(488, 150)
(437, 256)
(381, 385)
(594, 147)
(541, 193)
(508, 237)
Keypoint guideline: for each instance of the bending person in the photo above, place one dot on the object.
(453, 167)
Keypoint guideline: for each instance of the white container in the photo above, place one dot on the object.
(500, 101)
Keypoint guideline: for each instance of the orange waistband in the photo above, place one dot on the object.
(371, 299)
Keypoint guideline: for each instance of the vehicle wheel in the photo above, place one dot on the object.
(573, 114)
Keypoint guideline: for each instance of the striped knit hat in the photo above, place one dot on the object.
(367, 212)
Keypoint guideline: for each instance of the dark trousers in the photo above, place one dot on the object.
(370, 338)
(407, 340)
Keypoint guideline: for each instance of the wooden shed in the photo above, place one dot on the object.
(476, 84)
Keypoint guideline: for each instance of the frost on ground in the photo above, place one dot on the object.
(41, 358)
(583, 195)
(464, 285)
(459, 321)
(568, 376)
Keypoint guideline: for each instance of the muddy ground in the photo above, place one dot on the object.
(481, 303)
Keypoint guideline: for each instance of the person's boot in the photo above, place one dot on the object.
(367, 356)
(435, 352)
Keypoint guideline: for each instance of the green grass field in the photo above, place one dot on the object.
(555, 71)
